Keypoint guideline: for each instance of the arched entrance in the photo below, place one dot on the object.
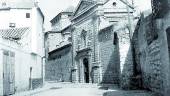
(86, 70)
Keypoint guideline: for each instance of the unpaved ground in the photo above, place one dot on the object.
(64, 89)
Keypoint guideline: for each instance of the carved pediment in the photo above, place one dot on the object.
(83, 5)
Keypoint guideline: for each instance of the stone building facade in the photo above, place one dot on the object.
(150, 42)
(59, 48)
(109, 58)
(100, 40)
(95, 41)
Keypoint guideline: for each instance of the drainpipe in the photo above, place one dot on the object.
(30, 78)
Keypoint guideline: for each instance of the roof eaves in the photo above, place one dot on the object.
(65, 28)
(109, 26)
(60, 48)
(76, 9)
(74, 17)
(41, 13)
(7, 8)
(59, 14)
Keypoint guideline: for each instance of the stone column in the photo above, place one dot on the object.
(90, 69)
(75, 74)
(95, 69)
(81, 74)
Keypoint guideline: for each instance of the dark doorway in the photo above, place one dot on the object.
(115, 39)
(86, 70)
(168, 38)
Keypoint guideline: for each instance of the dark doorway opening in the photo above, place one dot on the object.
(115, 40)
(86, 70)
(168, 39)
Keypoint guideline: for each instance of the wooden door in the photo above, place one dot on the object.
(8, 73)
(12, 73)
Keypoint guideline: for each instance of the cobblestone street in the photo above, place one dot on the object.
(68, 89)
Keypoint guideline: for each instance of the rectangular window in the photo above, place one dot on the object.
(12, 25)
(27, 15)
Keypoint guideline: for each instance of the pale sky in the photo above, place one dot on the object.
(51, 8)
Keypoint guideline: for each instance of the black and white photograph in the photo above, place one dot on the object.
(84, 47)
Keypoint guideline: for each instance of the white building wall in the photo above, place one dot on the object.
(37, 43)
(5, 19)
(37, 32)
(30, 43)
(22, 64)
(34, 32)
(17, 16)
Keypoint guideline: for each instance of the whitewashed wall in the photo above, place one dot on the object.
(17, 16)
(30, 52)
(37, 33)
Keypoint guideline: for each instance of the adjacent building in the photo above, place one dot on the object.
(21, 46)
(59, 48)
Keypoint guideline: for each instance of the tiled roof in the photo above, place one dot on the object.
(13, 33)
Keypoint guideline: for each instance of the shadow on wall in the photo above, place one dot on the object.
(131, 76)
(111, 72)
(127, 71)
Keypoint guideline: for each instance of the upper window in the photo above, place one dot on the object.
(114, 3)
(84, 37)
(27, 15)
(12, 25)
(4, 4)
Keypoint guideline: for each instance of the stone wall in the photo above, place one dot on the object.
(149, 55)
(59, 65)
(104, 55)
(125, 54)
(109, 55)
(147, 65)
